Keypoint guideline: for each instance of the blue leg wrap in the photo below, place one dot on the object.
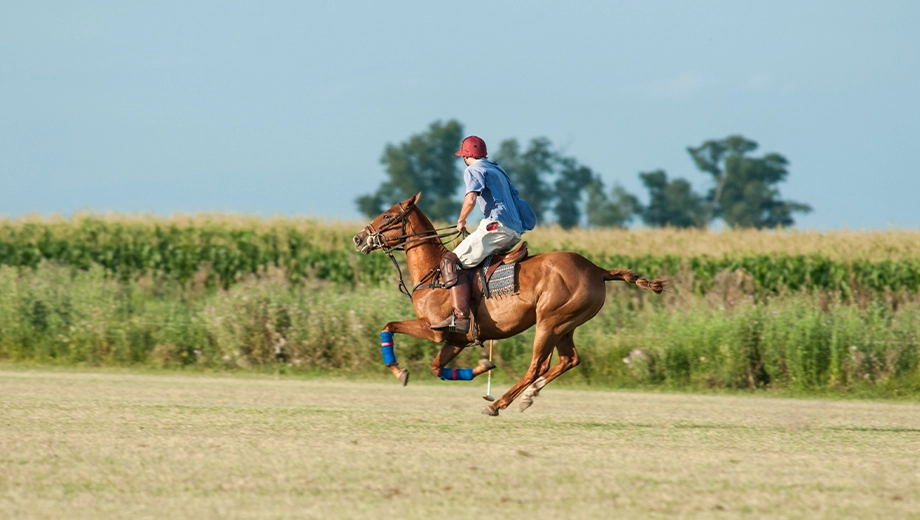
(457, 374)
(386, 348)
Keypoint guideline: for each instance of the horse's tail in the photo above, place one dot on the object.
(656, 286)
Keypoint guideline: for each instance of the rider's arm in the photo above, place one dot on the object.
(469, 202)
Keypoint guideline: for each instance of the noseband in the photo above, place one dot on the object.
(377, 240)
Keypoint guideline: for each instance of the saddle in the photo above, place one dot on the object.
(515, 255)
(485, 282)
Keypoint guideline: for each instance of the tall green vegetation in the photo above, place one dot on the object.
(728, 338)
(749, 309)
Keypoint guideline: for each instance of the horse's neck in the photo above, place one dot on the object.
(423, 255)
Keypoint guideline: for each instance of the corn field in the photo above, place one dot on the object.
(221, 249)
(218, 248)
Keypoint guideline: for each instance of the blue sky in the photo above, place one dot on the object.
(285, 107)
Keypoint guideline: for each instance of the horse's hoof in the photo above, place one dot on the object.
(526, 401)
(538, 385)
(403, 377)
(532, 392)
(486, 364)
(490, 411)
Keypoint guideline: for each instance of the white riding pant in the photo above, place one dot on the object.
(482, 243)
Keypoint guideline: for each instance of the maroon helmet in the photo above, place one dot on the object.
(473, 146)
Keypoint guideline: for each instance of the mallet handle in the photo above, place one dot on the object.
(489, 389)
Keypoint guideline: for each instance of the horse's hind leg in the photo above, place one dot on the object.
(544, 368)
(542, 350)
(568, 359)
(446, 355)
(534, 389)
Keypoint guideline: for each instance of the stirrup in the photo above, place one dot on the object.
(452, 326)
(453, 323)
(443, 326)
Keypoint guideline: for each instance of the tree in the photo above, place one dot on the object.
(617, 210)
(744, 194)
(571, 181)
(529, 171)
(424, 163)
(546, 179)
(672, 203)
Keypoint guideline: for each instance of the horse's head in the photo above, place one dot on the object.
(387, 228)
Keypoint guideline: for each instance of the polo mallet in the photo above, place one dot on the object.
(488, 396)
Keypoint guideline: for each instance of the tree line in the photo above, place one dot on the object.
(559, 188)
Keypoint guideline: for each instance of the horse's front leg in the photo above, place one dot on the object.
(421, 329)
(415, 328)
(446, 355)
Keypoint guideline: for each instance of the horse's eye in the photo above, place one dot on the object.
(387, 217)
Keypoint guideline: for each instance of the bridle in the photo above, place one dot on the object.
(377, 240)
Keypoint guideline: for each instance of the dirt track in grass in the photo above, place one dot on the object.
(83, 444)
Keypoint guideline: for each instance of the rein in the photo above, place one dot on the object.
(378, 240)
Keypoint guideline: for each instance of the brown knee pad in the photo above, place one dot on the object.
(450, 270)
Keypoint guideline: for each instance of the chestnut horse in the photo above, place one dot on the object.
(557, 292)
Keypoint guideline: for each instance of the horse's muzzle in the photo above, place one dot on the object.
(362, 244)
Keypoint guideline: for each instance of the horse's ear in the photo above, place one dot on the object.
(414, 199)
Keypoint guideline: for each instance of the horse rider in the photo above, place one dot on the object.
(507, 217)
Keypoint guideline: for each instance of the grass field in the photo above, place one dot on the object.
(108, 444)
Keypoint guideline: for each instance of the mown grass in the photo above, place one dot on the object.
(92, 444)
